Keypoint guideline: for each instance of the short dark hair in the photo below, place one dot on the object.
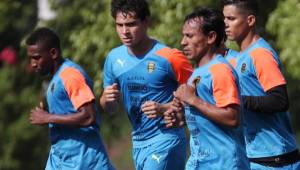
(139, 7)
(45, 36)
(209, 20)
(249, 6)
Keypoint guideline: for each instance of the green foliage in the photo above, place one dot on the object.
(88, 33)
(19, 139)
(16, 18)
(284, 25)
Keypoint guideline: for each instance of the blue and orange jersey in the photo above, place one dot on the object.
(69, 89)
(259, 70)
(231, 56)
(151, 77)
(214, 146)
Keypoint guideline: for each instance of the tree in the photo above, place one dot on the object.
(20, 142)
(283, 25)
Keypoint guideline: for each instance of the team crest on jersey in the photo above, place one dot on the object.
(196, 81)
(52, 87)
(151, 67)
(243, 69)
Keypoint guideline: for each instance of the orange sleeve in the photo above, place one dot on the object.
(232, 61)
(181, 66)
(267, 69)
(76, 87)
(225, 91)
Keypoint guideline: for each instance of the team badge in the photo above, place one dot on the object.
(196, 81)
(243, 69)
(52, 87)
(151, 67)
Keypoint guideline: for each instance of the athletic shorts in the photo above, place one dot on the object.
(69, 154)
(167, 154)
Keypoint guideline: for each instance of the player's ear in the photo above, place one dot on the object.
(54, 53)
(251, 20)
(211, 38)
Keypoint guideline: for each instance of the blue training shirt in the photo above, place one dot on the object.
(259, 70)
(214, 146)
(69, 89)
(151, 77)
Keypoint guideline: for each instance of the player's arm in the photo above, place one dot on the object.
(276, 100)
(273, 83)
(228, 115)
(85, 116)
(110, 99)
(182, 69)
(175, 116)
(153, 109)
(80, 95)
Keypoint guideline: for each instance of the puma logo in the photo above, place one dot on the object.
(157, 158)
(121, 62)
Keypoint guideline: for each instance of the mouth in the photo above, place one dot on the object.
(186, 51)
(126, 39)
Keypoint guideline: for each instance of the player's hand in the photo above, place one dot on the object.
(152, 109)
(39, 116)
(111, 93)
(169, 118)
(185, 94)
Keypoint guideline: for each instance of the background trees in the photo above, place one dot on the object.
(87, 33)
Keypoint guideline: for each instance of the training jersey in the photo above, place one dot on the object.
(151, 77)
(266, 134)
(68, 90)
(214, 146)
(231, 56)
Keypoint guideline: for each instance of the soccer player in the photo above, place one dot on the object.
(270, 141)
(145, 73)
(72, 116)
(211, 97)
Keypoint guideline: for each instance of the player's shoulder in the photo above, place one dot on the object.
(220, 66)
(122, 49)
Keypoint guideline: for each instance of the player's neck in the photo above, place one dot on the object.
(250, 39)
(210, 55)
(142, 48)
(57, 64)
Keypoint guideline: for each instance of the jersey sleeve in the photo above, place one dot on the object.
(267, 69)
(108, 76)
(180, 65)
(225, 90)
(232, 61)
(76, 87)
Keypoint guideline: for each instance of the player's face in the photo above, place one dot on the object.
(130, 29)
(194, 42)
(236, 26)
(40, 59)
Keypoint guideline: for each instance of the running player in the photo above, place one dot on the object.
(211, 97)
(72, 116)
(146, 73)
(270, 141)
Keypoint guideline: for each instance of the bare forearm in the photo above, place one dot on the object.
(228, 116)
(77, 119)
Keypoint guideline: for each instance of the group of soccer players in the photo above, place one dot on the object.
(234, 103)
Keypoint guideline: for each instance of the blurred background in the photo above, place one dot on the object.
(87, 34)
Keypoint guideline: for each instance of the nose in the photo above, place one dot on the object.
(226, 23)
(124, 29)
(183, 42)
